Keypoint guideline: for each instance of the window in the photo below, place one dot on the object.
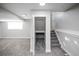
(15, 25)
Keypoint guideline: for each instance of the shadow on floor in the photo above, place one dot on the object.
(55, 51)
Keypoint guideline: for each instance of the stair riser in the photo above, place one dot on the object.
(54, 40)
(53, 35)
(55, 45)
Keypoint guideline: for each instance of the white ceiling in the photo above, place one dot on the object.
(26, 8)
(48, 6)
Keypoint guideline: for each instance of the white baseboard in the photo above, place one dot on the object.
(15, 37)
(31, 50)
(48, 51)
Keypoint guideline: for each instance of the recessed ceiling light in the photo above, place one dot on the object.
(42, 4)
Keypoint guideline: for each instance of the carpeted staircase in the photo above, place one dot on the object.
(40, 42)
(54, 40)
(56, 49)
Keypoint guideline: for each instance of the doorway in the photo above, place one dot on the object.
(40, 29)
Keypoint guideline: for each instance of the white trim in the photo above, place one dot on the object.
(31, 50)
(48, 51)
(33, 36)
(48, 44)
(16, 37)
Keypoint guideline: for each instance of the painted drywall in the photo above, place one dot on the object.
(70, 43)
(25, 32)
(4, 32)
(5, 15)
(68, 21)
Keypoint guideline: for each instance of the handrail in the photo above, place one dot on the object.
(72, 34)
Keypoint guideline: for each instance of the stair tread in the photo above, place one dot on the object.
(55, 45)
(54, 41)
(53, 34)
(54, 37)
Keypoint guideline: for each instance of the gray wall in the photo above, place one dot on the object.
(67, 29)
(4, 32)
(67, 20)
(25, 32)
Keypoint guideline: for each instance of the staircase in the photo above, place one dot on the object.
(54, 40)
(40, 42)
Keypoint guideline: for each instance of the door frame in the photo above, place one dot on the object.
(47, 35)
(45, 30)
